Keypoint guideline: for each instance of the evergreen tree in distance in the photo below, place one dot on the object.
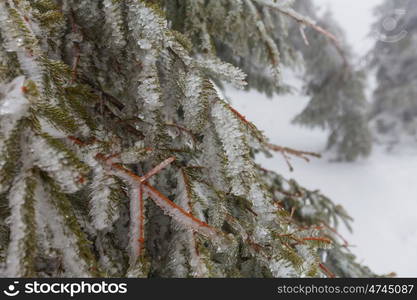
(118, 157)
(336, 88)
(394, 58)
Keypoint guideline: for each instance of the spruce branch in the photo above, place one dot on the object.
(309, 23)
(326, 270)
(169, 207)
(119, 156)
(256, 133)
(285, 150)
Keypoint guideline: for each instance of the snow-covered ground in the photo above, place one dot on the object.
(380, 193)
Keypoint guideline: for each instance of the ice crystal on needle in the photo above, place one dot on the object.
(13, 102)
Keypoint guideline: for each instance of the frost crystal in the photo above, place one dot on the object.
(12, 98)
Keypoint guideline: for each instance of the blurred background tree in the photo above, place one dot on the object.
(394, 109)
(336, 88)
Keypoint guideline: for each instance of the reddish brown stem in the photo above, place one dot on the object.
(345, 242)
(158, 168)
(319, 239)
(162, 201)
(326, 271)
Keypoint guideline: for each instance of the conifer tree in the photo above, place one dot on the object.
(394, 109)
(336, 88)
(119, 157)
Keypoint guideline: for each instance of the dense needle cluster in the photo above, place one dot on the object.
(119, 156)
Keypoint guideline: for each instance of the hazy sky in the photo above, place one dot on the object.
(355, 16)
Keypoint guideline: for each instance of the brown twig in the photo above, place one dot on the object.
(301, 154)
(285, 150)
(326, 271)
(243, 119)
(318, 239)
(160, 200)
(157, 169)
(345, 242)
(304, 21)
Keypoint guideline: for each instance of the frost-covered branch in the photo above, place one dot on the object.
(307, 22)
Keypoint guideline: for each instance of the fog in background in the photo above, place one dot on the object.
(356, 17)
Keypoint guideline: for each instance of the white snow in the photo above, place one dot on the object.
(12, 99)
(222, 70)
(380, 192)
(56, 164)
(16, 251)
(50, 129)
(231, 137)
(62, 238)
(101, 204)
